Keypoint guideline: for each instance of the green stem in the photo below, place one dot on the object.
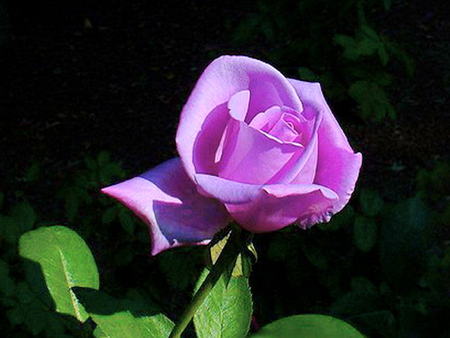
(226, 260)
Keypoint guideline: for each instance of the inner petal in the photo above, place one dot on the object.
(286, 129)
(283, 123)
(238, 105)
(266, 120)
(252, 156)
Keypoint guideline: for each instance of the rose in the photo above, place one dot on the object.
(256, 148)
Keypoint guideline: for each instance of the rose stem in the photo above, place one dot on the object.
(226, 258)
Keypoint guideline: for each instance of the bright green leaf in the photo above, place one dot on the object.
(114, 318)
(308, 326)
(226, 312)
(57, 260)
(243, 264)
(365, 233)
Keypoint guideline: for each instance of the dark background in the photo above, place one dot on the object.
(113, 75)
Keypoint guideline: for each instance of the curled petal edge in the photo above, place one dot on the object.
(167, 201)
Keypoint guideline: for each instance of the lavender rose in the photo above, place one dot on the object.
(256, 148)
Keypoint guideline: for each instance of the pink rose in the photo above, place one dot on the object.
(256, 148)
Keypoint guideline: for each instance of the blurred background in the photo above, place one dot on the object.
(91, 91)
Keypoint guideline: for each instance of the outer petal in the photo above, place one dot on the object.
(223, 78)
(280, 205)
(264, 208)
(167, 201)
(337, 166)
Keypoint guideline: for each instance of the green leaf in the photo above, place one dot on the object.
(114, 318)
(7, 286)
(25, 216)
(367, 308)
(127, 220)
(21, 219)
(372, 100)
(243, 264)
(110, 214)
(9, 229)
(365, 233)
(33, 172)
(29, 310)
(315, 254)
(227, 310)
(371, 202)
(405, 234)
(57, 260)
(306, 74)
(308, 326)
(103, 158)
(340, 220)
(383, 54)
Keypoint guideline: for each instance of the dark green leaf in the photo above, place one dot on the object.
(103, 158)
(371, 202)
(110, 214)
(365, 233)
(32, 312)
(372, 100)
(340, 220)
(9, 229)
(33, 172)
(24, 215)
(308, 326)
(59, 259)
(127, 220)
(227, 310)
(115, 320)
(403, 239)
(7, 286)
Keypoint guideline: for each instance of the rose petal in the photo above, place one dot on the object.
(338, 166)
(264, 208)
(206, 149)
(227, 191)
(238, 105)
(280, 122)
(167, 201)
(301, 168)
(223, 78)
(250, 156)
(279, 205)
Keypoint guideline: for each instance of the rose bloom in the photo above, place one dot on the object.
(255, 147)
